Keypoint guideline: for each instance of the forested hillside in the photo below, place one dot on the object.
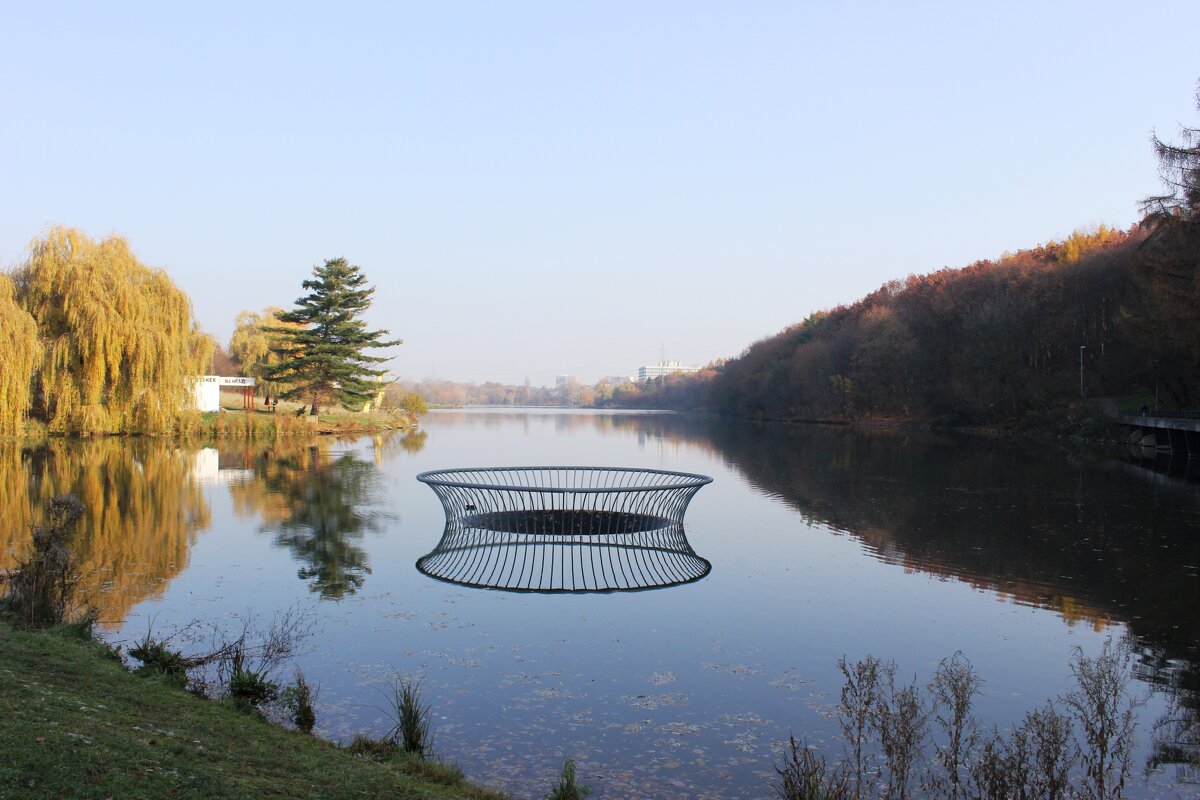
(996, 342)
(1014, 341)
(992, 342)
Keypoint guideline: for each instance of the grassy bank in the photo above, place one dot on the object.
(74, 723)
(255, 425)
(263, 425)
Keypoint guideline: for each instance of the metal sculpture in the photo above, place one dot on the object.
(564, 529)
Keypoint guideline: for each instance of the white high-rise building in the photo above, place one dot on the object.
(662, 368)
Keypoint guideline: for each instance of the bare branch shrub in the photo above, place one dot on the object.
(953, 689)
(41, 589)
(248, 663)
(1104, 711)
(805, 776)
(901, 720)
(860, 693)
(989, 772)
(1050, 753)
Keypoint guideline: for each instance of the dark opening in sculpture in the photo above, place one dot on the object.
(564, 529)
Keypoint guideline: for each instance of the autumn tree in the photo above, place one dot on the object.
(1086, 240)
(401, 398)
(221, 362)
(120, 346)
(20, 352)
(323, 358)
(251, 345)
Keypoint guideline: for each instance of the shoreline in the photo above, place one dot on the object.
(241, 425)
(75, 722)
(1102, 426)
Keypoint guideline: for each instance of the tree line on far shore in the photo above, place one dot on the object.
(1018, 340)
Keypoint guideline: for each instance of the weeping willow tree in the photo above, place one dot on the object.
(120, 345)
(20, 351)
(256, 349)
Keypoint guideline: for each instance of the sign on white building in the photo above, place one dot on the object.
(208, 390)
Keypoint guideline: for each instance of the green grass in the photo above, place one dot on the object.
(74, 723)
(1135, 402)
(235, 423)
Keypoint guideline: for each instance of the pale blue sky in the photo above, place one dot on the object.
(568, 187)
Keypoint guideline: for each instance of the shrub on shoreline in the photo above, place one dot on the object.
(1083, 751)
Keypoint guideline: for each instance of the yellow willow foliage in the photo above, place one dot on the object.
(143, 509)
(14, 504)
(20, 351)
(251, 346)
(120, 342)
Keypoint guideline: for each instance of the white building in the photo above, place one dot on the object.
(208, 390)
(662, 368)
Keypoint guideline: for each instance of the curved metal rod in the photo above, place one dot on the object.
(656, 478)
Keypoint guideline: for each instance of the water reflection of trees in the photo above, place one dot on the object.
(143, 505)
(410, 442)
(1077, 533)
(318, 504)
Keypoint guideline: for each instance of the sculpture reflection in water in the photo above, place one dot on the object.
(564, 529)
(318, 505)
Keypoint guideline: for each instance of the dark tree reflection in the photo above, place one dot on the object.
(1077, 531)
(318, 505)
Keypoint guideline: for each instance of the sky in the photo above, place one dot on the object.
(545, 188)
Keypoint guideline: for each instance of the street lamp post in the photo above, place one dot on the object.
(1082, 347)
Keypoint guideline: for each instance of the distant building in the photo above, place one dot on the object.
(565, 380)
(617, 380)
(662, 368)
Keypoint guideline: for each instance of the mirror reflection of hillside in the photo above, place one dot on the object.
(144, 507)
(317, 503)
(1077, 534)
(1080, 533)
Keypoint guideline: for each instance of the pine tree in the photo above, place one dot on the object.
(1169, 261)
(1179, 168)
(323, 359)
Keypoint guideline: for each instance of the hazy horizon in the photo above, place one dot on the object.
(539, 189)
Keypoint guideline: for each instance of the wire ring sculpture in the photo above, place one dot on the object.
(564, 529)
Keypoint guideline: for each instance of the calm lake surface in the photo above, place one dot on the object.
(824, 542)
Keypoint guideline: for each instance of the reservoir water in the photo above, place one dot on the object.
(823, 543)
